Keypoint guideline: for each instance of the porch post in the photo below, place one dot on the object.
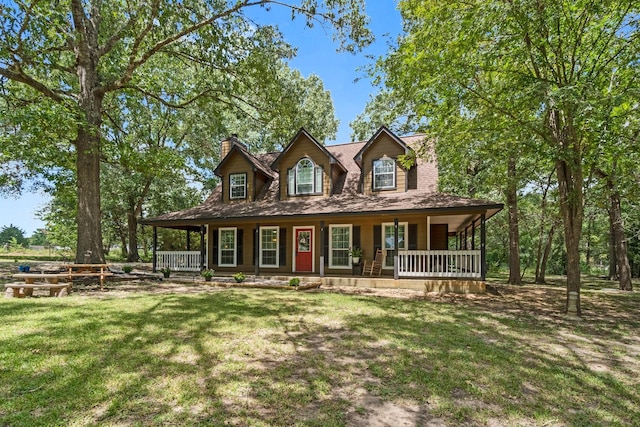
(188, 240)
(483, 250)
(202, 251)
(473, 243)
(395, 247)
(321, 248)
(473, 234)
(429, 233)
(256, 249)
(465, 238)
(155, 244)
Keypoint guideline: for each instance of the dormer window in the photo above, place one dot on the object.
(384, 174)
(305, 178)
(238, 186)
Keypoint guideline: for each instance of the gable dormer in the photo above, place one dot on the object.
(243, 176)
(306, 168)
(378, 162)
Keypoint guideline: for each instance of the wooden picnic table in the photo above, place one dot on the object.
(88, 270)
(50, 280)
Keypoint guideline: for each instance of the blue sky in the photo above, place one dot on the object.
(316, 55)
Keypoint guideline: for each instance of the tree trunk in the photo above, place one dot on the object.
(542, 258)
(88, 149)
(587, 254)
(545, 257)
(514, 235)
(622, 260)
(613, 267)
(89, 243)
(133, 213)
(570, 182)
(571, 208)
(132, 227)
(124, 252)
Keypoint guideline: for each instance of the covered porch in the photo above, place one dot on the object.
(449, 246)
(183, 260)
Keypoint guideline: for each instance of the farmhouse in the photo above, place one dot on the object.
(307, 209)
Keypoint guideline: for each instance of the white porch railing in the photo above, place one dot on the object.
(439, 264)
(179, 260)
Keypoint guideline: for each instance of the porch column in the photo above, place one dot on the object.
(429, 233)
(396, 248)
(155, 244)
(465, 238)
(188, 240)
(321, 248)
(256, 249)
(202, 251)
(483, 250)
(473, 243)
(473, 235)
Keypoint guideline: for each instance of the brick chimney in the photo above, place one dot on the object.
(227, 144)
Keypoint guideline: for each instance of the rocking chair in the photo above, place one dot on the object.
(374, 266)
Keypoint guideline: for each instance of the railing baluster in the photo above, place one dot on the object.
(440, 263)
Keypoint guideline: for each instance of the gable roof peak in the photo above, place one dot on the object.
(240, 148)
(303, 131)
(382, 129)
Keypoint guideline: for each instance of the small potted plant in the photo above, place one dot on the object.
(355, 254)
(239, 277)
(166, 272)
(207, 274)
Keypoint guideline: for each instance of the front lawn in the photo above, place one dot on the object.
(262, 358)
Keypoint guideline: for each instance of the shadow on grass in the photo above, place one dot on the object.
(509, 363)
(268, 358)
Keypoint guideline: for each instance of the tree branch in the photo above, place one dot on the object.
(16, 74)
(134, 64)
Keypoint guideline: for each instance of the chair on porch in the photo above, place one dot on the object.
(374, 266)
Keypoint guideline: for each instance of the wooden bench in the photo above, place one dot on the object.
(30, 278)
(21, 290)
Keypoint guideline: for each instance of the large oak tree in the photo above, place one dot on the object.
(78, 53)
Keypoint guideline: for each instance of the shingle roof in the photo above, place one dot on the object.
(346, 199)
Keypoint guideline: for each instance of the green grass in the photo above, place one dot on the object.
(263, 358)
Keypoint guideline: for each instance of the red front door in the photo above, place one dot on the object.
(304, 249)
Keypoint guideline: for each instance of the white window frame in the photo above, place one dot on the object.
(374, 174)
(244, 186)
(313, 176)
(235, 246)
(277, 264)
(317, 179)
(331, 227)
(384, 243)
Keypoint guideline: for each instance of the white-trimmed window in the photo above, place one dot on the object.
(339, 243)
(384, 174)
(388, 240)
(305, 178)
(227, 246)
(238, 186)
(269, 240)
